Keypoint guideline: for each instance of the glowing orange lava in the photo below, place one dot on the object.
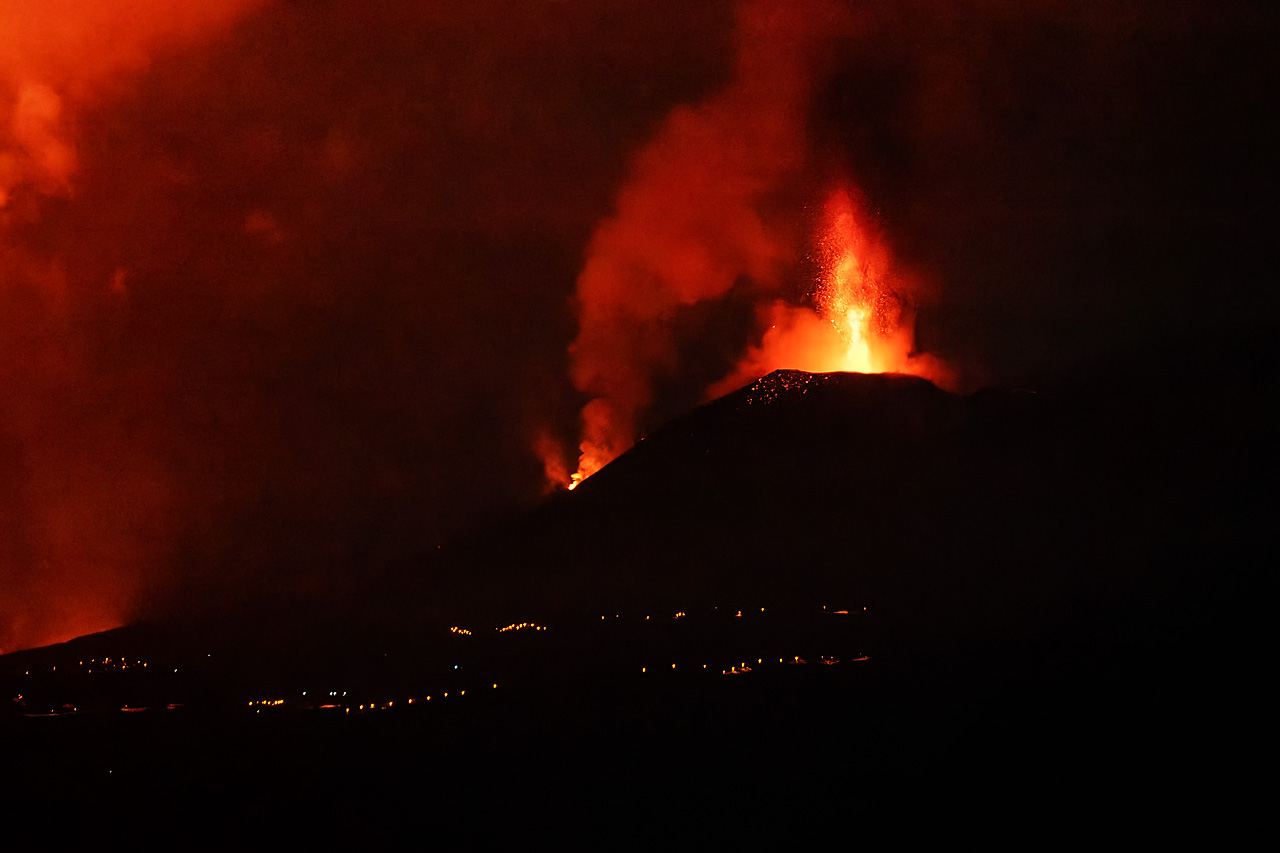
(603, 438)
(859, 324)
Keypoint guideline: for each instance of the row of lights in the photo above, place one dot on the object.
(515, 626)
(259, 704)
(120, 663)
(374, 706)
(743, 667)
(680, 614)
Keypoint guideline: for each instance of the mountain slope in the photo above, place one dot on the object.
(956, 518)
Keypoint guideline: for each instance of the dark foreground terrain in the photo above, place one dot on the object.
(1065, 632)
(1071, 726)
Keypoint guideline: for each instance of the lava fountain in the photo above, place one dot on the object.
(699, 216)
(860, 321)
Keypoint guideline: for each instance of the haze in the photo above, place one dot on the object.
(288, 289)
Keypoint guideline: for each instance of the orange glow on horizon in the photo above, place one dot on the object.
(90, 487)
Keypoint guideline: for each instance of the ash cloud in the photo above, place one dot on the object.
(86, 506)
(296, 312)
(286, 287)
(693, 219)
(59, 55)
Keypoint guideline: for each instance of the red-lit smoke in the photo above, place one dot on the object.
(55, 54)
(699, 214)
(283, 286)
(692, 219)
(85, 505)
(861, 322)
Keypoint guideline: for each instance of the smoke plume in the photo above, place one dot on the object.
(58, 54)
(284, 284)
(288, 287)
(85, 504)
(692, 219)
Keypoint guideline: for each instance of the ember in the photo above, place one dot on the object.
(861, 323)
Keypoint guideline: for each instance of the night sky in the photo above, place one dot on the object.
(288, 289)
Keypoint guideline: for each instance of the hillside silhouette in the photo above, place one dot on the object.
(1046, 596)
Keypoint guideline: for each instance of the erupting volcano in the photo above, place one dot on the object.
(860, 321)
(926, 351)
(708, 224)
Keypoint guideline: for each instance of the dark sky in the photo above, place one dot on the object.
(288, 288)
